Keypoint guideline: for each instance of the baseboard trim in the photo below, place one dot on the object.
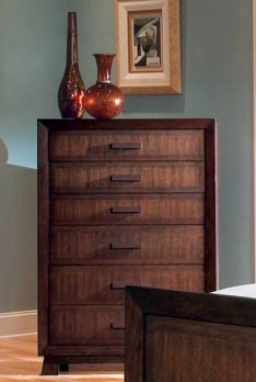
(16, 324)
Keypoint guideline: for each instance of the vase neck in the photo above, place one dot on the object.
(72, 44)
(104, 65)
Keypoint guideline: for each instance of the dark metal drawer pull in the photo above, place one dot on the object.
(117, 286)
(125, 146)
(116, 327)
(125, 210)
(124, 246)
(125, 178)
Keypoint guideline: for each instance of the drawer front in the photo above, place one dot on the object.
(127, 177)
(86, 325)
(99, 285)
(132, 209)
(126, 145)
(127, 245)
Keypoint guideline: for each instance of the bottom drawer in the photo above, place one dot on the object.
(87, 325)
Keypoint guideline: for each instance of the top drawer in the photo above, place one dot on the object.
(126, 145)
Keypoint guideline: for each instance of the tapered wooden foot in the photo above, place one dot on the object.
(50, 366)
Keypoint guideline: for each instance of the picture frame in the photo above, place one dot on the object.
(148, 46)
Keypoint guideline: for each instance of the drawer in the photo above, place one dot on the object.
(127, 177)
(105, 285)
(127, 245)
(127, 209)
(86, 325)
(126, 145)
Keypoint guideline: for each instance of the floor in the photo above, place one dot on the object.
(19, 362)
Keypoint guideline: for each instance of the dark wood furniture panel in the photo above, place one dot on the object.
(128, 209)
(127, 244)
(105, 285)
(184, 336)
(127, 177)
(82, 325)
(126, 145)
(119, 202)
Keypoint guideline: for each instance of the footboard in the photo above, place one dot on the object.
(189, 337)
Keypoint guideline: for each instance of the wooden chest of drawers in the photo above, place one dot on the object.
(121, 202)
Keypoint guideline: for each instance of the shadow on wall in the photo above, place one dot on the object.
(18, 235)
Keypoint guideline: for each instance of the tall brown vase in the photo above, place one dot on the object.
(71, 90)
(104, 100)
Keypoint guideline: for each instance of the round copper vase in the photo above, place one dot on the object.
(104, 100)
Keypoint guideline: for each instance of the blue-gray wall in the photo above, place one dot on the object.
(31, 62)
(217, 82)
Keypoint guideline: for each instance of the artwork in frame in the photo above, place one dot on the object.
(148, 46)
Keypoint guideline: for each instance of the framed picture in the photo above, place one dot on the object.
(148, 46)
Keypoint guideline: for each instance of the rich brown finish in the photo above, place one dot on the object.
(121, 202)
(127, 244)
(185, 336)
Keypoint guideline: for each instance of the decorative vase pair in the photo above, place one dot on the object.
(103, 100)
